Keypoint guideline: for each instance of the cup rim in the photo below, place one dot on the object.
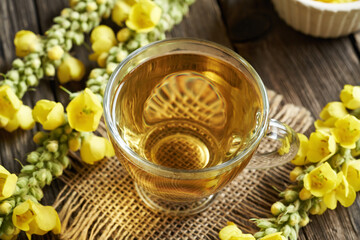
(334, 7)
(173, 172)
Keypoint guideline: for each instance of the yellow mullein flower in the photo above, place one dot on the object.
(321, 147)
(25, 42)
(84, 112)
(120, 12)
(23, 119)
(350, 96)
(330, 114)
(34, 218)
(50, 114)
(9, 103)
(7, 183)
(320, 180)
(243, 237)
(101, 32)
(143, 16)
(230, 231)
(352, 172)
(55, 53)
(347, 131)
(301, 158)
(94, 148)
(102, 39)
(343, 192)
(274, 236)
(70, 69)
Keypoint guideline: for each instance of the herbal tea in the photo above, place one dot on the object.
(186, 111)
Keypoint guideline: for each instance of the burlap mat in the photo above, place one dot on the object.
(100, 202)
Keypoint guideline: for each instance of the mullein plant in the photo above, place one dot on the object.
(39, 56)
(327, 171)
(20, 195)
(142, 22)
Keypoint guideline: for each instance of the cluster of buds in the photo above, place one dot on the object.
(327, 170)
(41, 56)
(131, 38)
(62, 132)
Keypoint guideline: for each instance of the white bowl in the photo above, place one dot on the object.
(319, 19)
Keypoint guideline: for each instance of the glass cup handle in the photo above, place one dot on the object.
(282, 148)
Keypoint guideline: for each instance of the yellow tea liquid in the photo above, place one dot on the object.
(186, 111)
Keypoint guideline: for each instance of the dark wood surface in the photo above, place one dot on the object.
(307, 71)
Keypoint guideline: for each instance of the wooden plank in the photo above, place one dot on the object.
(307, 71)
(18, 15)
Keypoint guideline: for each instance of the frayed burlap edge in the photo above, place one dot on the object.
(100, 202)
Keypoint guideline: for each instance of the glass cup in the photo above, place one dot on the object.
(185, 117)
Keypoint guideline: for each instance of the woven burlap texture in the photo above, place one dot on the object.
(100, 201)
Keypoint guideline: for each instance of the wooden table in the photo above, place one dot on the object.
(306, 71)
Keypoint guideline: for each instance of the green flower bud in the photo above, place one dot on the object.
(40, 165)
(263, 224)
(28, 169)
(22, 182)
(29, 197)
(83, 18)
(306, 205)
(259, 234)
(5, 208)
(49, 70)
(33, 181)
(283, 218)
(56, 133)
(291, 208)
(18, 63)
(78, 38)
(56, 169)
(52, 146)
(277, 208)
(13, 75)
(36, 63)
(33, 157)
(31, 80)
(94, 88)
(269, 231)
(67, 129)
(293, 234)
(74, 15)
(36, 192)
(121, 55)
(39, 73)
(65, 161)
(63, 138)
(65, 24)
(21, 192)
(46, 156)
(41, 177)
(294, 219)
(80, 7)
(48, 177)
(304, 219)
(286, 230)
(289, 195)
(132, 45)
(68, 44)
(84, 27)
(75, 25)
(8, 228)
(28, 71)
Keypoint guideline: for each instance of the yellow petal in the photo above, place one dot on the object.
(7, 183)
(84, 112)
(93, 149)
(49, 113)
(301, 158)
(25, 42)
(23, 215)
(345, 193)
(143, 16)
(9, 102)
(55, 53)
(63, 73)
(101, 32)
(231, 230)
(333, 110)
(347, 131)
(102, 45)
(12, 125)
(273, 236)
(321, 180)
(120, 12)
(25, 118)
(350, 96)
(353, 174)
(330, 200)
(321, 147)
